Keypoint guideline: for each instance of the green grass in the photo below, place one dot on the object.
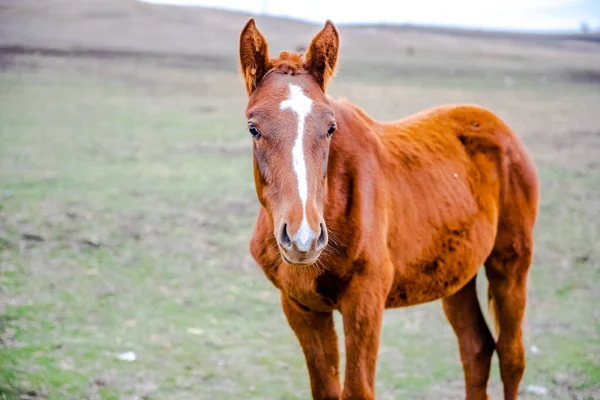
(164, 189)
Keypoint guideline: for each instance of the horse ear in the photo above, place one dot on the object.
(254, 55)
(322, 54)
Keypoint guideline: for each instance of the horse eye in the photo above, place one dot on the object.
(253, 131)
(331, 129)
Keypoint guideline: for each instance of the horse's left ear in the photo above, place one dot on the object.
(322, 54)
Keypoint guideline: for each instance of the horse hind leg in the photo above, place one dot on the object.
(475, 342)
(507, 266)
(506, 269)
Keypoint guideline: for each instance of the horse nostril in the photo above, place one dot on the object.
(321, 240)
(285, 238)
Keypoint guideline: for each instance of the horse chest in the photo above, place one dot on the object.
(320, 292)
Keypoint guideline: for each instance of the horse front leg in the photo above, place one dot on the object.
(362, 308)
(316, 333)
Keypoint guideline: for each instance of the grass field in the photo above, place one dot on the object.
(127, 201)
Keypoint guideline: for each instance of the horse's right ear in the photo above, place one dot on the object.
(254, 55)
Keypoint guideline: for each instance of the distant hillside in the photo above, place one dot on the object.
(129, 27)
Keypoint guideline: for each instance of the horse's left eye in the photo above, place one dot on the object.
(331, 129)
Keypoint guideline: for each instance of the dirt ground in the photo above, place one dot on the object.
(127, 201)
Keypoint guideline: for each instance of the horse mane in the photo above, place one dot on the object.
(291, 63)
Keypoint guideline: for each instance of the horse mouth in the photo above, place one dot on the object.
(298, 263)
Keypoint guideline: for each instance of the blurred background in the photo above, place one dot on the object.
(127, 197)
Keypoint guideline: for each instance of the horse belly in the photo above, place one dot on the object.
(447, 265)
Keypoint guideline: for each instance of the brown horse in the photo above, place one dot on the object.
(359, 215)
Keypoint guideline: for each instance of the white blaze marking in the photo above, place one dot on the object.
(300, 104)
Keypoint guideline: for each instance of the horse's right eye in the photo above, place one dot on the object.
(253, 131)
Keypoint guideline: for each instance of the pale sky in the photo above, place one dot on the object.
(523, 15)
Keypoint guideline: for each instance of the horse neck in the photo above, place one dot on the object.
(355, 158)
